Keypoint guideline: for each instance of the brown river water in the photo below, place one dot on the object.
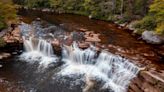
(118, 40)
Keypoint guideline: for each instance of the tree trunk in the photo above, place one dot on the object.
(122, 7)
(114, 6)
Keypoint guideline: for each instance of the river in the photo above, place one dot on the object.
(19, 76)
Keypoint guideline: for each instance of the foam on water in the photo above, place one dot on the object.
(114, 70)
(38, 51)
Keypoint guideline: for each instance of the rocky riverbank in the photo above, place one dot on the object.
(148, 81)
(13, 42)
(148, 36)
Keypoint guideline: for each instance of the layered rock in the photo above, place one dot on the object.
(92, 37)
(13, 36)
(148, 81)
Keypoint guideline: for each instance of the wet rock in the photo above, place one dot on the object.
(92, 37)
(148, 88)
(148, 81)
(55, 42)
(38, 19)
(13, 37)
(14, 53)
(123, 25)
(135, 88)
(83, 45)
(148, 77)
(7, 86)
(1, 57)
(77, 36)
(148, 54)
(83, 29)
(46, 10)
(151, 37)
(68, 41)
(4, 55)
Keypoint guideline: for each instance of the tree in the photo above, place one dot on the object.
(154, 19)
(157, 11)
(122, 7)
(7, 13)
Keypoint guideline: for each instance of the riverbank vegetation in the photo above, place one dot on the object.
(2, 42)
(7, 16)
(154, 20)
(7, 13)
(149, 12)
(100, 9)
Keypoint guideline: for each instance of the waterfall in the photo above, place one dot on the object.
(38, 50)
(35, 45)
(114, 70)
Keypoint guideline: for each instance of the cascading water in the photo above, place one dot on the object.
(113, 71)
(116, 72)
(38, 50)
(36, 47)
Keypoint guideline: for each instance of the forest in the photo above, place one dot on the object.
(149, 13)
(7, 13)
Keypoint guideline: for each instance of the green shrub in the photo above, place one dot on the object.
(147, 23)
(2, 23)
(154, 20)
(7, 13)
(160, 29)
(2, 42)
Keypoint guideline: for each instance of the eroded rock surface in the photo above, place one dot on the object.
(13, 36)
(148, 81)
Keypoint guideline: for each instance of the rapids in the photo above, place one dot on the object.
(113, 71)
(38, 50)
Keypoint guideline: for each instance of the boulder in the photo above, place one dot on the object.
(151, 37)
